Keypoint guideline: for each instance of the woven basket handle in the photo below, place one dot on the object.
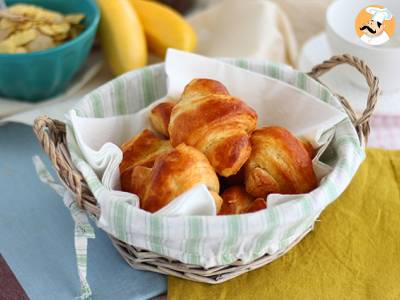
(48, 132)
(361, 123)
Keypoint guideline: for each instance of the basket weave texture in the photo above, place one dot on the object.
(52, 136)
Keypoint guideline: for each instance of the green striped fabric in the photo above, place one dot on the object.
(218, 240)
(83, 229)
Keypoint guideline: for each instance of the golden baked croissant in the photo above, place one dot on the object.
(279, 163)
(142, 150)
(237, 201)
(160, 115)
(172, 174)
(217, 124)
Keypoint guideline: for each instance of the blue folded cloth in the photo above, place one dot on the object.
(37, 234)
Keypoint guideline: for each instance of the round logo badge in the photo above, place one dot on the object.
(375, 25)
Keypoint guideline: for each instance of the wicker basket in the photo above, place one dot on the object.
(52, 136)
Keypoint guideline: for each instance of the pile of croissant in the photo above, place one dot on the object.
(210, 137)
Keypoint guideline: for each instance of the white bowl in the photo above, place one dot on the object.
(384, 60)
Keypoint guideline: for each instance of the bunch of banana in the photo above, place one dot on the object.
(129, 27)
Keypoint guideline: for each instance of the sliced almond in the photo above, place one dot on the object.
(74, 18)
(50, 17)
(25, 25)
(7, 46)
(11, 16)
(47, 30)
(7, 23)
(23, 37)
(27, 28)
(23, 9)
(61, 28)
(41, 42)
(5, 33)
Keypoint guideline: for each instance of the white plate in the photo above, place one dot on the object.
(317, 50)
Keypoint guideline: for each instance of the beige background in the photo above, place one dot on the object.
(306, 16)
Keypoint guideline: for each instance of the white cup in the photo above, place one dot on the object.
(384, 60)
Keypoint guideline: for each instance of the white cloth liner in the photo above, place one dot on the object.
(302, 113)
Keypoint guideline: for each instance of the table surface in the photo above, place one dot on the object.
(36, 236)
(37, 259)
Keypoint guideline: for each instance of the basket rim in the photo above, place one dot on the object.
(77, 184)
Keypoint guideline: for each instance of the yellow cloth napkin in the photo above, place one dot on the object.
(353, 253)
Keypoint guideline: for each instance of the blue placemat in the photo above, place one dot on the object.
(36, 234)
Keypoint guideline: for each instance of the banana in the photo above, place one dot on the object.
(164, 27)
(121, 36)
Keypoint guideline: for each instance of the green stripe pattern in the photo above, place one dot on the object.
(83, 229)
(210, 241)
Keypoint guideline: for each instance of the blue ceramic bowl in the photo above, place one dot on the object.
(43, 74)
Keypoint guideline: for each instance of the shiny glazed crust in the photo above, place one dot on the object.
(217, 124)
(237, 201)
(279, 163)
(142, 150)
(173, 173)
(159, 117)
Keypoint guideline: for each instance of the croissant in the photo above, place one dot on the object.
(160, 115)
(142, 150)
(237, 201)
(217, 124)
(279, 163)
(172, 174)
